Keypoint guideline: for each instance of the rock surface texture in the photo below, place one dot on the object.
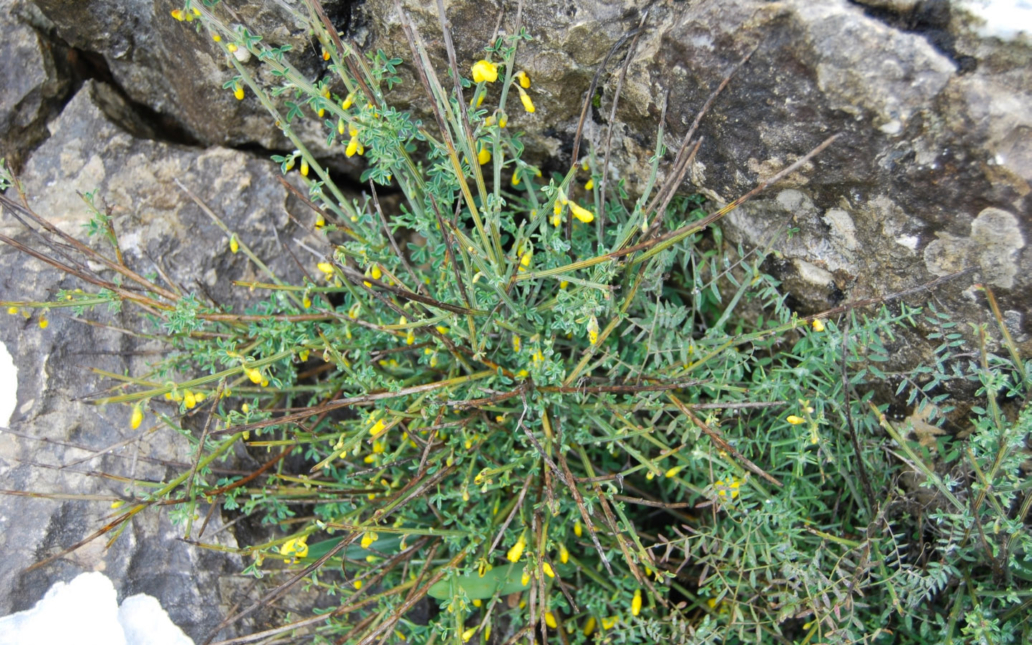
(57, 442)
(930, 175)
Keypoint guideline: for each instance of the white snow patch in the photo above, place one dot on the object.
(1004, 19)
(8, 386)
(85, 611)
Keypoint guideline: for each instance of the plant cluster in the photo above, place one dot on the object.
(535, 403)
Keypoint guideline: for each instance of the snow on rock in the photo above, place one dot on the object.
(1004, 19)
(85, 611)
(8, 386)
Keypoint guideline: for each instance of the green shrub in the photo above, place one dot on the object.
(544, 406)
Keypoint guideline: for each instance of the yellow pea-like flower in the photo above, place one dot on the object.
(673, 472)
(468, 634)
(358, 583)
(189, 400)
(581, 213)
(607, 623)
(547, 568)
(589, 626)
(178, 14)
(516, 552)
(589, 185)
(254, 374)
(234, 245)
(564, 554)
(794, 420)
(12, 310)
(593, 330)
(516, 343)
(43, 322)
(818, 325)
(348, 101)
(528, 105)
(550, 620)
(368, 538)
(577, 530)
(523, 78)
(238, 92)
(636, 603)
(484, 155)
(525, 578)
(325, 267)
(484, 71)
(352, 147)
(304, 168)
(137, 417)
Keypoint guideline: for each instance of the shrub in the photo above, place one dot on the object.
(546, 405)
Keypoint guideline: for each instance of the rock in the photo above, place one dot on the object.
(86, 611)
(59, 444)
(33, 90)
(175, 74)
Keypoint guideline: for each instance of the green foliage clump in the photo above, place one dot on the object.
(539, 406)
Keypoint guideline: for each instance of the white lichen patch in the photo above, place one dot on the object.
(993, 245)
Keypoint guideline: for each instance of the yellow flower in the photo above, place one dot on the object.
(377, 428)
(564, 554)
(484, 155)
(550, 620)
(369, 538)
(43, 322)
(577, 530)
(377, 274)
(589, 185)
(238, 92)
(525, 578)
(348, 101)
(306, 302)
(468, 634)
(12, 310)
(254, 374)
(818, 325)
(325, 55)
(178, 15)
(516, 344)
(582, 214)
(528, 105)
(503, 121)
(484, 71)
(189, 400)
(231, 47)
(217, 38)
(636, 603)
(137, 417)
(304, 168)
(234, 245)
(516, 551)
(523, 78)
(607, 623)
(547, 568)
(118, 503)
(325, 267)
(516, 178)
(794, 420)
(593, 330)
(358, 583)
(352, 147)
(728, 488)
(295, 547)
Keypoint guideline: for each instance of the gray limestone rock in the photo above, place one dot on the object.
(58, 444)
(33, 85)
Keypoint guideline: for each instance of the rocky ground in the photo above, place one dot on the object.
(929, 176)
